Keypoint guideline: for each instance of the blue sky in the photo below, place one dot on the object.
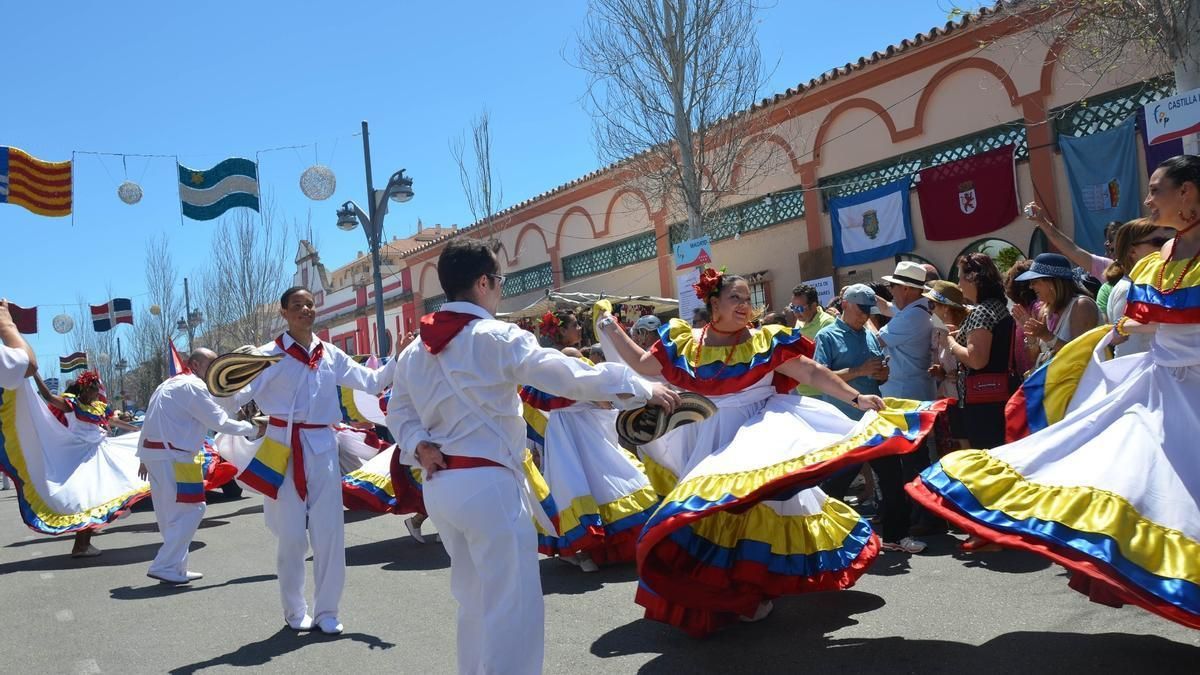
(211, 80)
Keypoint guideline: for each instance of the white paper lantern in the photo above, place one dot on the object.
(129, 192)
(63, 323)
(318, 182)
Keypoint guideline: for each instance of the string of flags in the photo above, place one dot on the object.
(104, 317)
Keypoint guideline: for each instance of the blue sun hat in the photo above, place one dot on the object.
(1049, 266)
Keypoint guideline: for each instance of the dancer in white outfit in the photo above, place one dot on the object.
(455, 411)
(180, 412)
(296, 465)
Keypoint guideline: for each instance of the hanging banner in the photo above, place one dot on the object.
(1156, 154)
(1102, 171)
(24, 318)
(970, 197)
(1172, 117)
(205, 195)
(111, 313)
(690, 257)
(872, 225)
(37, 185)
(824, 288)
(72, 362)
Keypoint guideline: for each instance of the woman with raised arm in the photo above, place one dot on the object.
(744, 524)
(1110, 491)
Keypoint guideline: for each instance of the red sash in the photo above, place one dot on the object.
(297, 451)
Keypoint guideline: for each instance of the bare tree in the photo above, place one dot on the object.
(246, 272)
(1101, 36)
(101, 348)
(484, 193)
(670, 86)
(151, 332)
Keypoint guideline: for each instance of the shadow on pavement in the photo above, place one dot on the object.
(159, 590)
(282, 642)
(111, 557)
(1008, 561)
(401, 553)
(560, 578)
(793, 639)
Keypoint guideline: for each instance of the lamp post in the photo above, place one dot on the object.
(193, 318)
(350, 215)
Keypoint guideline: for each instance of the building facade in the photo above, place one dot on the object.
(958, 90)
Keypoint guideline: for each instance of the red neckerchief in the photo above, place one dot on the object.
(439, 328)
(301, 354)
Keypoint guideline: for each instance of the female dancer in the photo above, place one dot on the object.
(1112, 490)
(743, 525)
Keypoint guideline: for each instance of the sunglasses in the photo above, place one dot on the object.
(798, 309)
(1157, 241)
(498, 277)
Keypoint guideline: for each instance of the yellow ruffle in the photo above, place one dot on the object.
(1065, 371)
(787, 535)
(999, 487)
(680, 333)
(1145, 272)
(629, 505)
(715, 486)
(381, 481)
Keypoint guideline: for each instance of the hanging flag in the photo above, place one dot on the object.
(25, 319)
(970, 197)
(175, 364)
(872, 225)
(1156, 153)
(1103, 177)
(111, 313)
(39, 186)
(71, 362)
(207, 194)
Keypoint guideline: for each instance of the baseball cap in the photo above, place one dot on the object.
(861, 295)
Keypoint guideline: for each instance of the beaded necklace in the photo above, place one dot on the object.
(1170, 257)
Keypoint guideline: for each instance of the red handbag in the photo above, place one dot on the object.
(993, 387)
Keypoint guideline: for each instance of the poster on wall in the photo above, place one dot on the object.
(824, 287)
(690, 257)
(1172, 117)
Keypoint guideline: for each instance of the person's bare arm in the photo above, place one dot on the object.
(642, 361)
(56, 401)
(1059, 239)
(805, 371)
(975, 353)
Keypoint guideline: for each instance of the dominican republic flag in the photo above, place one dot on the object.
(175, 364)
(872, 225)
(111, 313)
(970, 197)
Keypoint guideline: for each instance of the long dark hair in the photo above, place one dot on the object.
(1182, 169)
(980, 269)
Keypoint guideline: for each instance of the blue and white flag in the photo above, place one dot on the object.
(1102, 170)
(208, 194)
(872, 225)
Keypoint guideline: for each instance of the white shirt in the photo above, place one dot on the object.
(291, 390)
(488, 360)
(180, 412)
(13, 364)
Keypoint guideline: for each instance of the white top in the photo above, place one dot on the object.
(292, 391)
(1117, 299)
(480, 414)
(180, 412)
(13, 364)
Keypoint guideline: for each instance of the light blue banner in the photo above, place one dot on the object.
(1102, 171)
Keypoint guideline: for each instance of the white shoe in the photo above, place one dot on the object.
(330, 626)
(304, 624)
(905, 545)
(194, 576)
(587, 564)
(414, 530)
(760, 613)
(168, 579)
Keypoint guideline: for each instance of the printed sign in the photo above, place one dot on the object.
(1173, 117)
(824, 287)
(693, 253)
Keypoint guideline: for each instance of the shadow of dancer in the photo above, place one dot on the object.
(159, 590)
(282, 642)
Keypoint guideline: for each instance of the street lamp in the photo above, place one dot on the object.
(350, 215)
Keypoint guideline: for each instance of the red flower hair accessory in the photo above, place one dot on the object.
(550, 325)
(710, 279)
(87, 379)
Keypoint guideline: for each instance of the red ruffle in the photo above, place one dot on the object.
(600, 547)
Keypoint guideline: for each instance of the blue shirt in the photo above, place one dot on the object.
(838, 347)
(907, 339)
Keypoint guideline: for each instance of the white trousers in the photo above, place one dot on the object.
(489, 535)
(177, 522)
(318, 520)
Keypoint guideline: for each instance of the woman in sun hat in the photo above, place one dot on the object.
(1068, 311)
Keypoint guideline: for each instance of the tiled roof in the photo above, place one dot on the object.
(906, 45)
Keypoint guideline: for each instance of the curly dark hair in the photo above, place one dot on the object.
(1020, 292)
(980, 269)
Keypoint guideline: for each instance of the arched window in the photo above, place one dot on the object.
(1003, 252)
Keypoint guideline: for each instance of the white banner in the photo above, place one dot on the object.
(824, 287)
(688, 302)
(1173, 117)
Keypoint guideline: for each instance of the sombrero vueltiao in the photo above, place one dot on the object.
(640, 426)
(229, 373)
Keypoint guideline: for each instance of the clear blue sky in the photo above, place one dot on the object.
(210, 80)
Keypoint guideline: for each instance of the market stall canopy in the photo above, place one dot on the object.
(554, 301)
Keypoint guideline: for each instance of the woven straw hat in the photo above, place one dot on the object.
(229, 373)
(643, 425)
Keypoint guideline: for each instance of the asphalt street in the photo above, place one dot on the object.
(940, 611)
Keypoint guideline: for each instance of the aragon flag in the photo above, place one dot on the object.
(970, 197)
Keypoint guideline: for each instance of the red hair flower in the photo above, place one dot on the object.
(88, 378)
(710, 279)
(550, 325)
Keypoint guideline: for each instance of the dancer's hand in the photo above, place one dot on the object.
(430, 457)
(869, 402)
(663, 397)
(142, 472)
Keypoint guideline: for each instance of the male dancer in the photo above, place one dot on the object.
(455, 411)
(180, 412)
(297, 465)
(17, 361)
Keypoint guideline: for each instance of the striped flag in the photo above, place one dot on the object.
(111, 313)
(41, 187)
(205, 195)
(175, 364)
(71, 362)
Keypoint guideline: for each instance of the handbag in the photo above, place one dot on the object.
(993, 387)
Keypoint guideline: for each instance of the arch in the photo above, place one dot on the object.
(844, 106)
(563, 221)
(421, 278)
(752, 144)
(526, 228)
(994, 247)
(507, 260)
(641, 196)
(996, 70)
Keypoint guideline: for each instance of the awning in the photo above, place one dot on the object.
(555, 301)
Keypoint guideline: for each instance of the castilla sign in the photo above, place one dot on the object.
(1173, 117)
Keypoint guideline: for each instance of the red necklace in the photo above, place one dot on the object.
(1170, 257)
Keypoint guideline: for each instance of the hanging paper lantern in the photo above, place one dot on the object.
(155, 310)
(318, 182)
(63, 323)
(129, 192)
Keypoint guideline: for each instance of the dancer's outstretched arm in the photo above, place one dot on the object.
(56, 401)
(806, 371)
(642, 361)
